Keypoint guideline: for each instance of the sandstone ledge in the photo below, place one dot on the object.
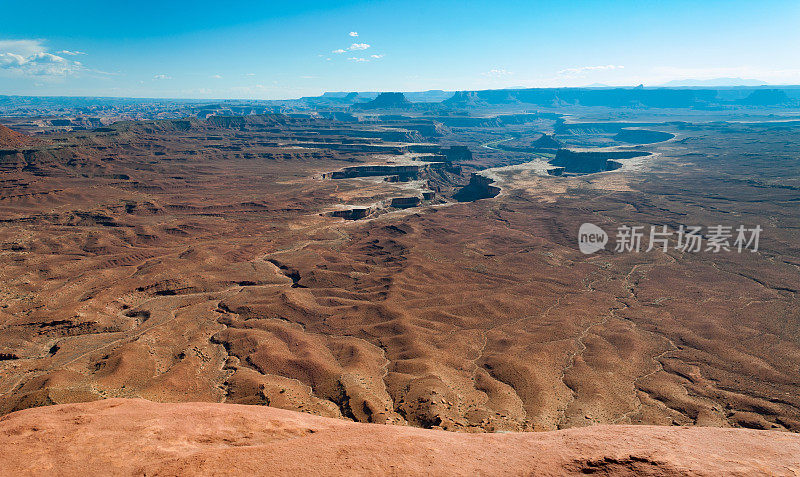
(138, 437)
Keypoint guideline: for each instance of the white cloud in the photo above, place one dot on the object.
(353, 34)
(250, 74)
(357, 59)
(38, 64)
(581, 70)
(217, 76)
(71, 53)
(30, 58)
(358, 46)
(22, 47)
(339, 51)
(162, 77)
(497, 73)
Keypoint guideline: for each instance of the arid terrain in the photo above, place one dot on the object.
(408, 268)
(217, 439)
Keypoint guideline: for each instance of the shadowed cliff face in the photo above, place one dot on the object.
(479, 187)
(589, 162)
(386, 101)
(642, 136)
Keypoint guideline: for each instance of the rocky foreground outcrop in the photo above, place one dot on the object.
(138, 437)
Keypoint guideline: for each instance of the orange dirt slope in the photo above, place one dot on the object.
(229, 439)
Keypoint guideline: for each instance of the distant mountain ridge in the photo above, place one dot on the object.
(611, 97)
(432, 103)
(433, 95)
(714, 82)
(638, 97)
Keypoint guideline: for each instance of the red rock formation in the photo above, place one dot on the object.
(138, 437)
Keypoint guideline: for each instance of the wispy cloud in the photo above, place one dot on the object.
(31, 58)
(217, 76)
(355, 47)
(162, 77)
(249, 90)
(22, 47)
(581, 70)
(357, 59)
(497, 73)
(70, 53)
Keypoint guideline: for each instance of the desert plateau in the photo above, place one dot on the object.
(402, 271)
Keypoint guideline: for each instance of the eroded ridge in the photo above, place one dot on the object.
(188, 260)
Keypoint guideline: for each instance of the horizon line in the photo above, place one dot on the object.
(516, 88)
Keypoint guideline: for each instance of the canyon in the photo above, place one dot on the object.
(380, 264)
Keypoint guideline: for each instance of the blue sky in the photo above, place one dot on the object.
(274, 50)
